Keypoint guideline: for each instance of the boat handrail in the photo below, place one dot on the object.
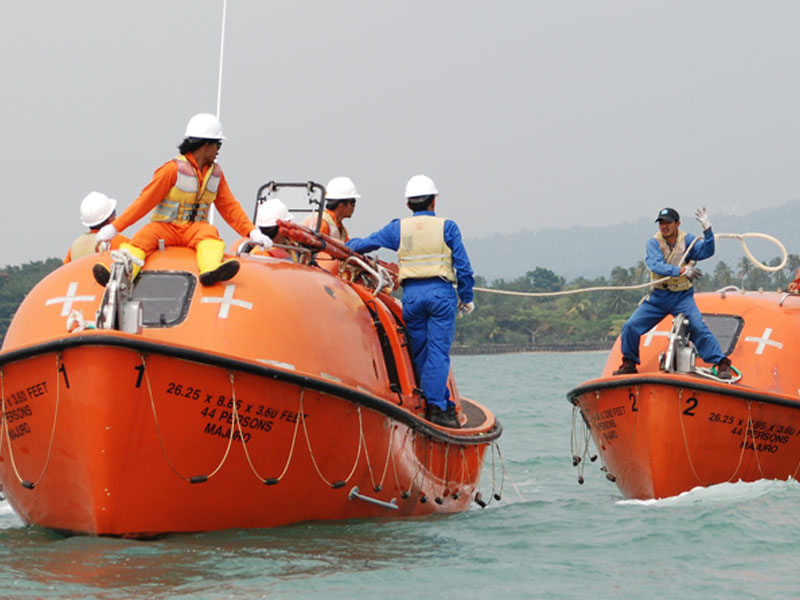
(311, 187)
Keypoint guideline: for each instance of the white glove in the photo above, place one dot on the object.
(106, 233)
(702, 216)
(465, 308)
(260, 238)
(692, 272)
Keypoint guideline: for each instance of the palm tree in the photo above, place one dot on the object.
(744, 270)
(723, 275)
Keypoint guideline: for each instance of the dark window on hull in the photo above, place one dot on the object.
(165, 297)
(726, 328)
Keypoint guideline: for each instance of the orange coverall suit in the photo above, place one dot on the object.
(180, 233)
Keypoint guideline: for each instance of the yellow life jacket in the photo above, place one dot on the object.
(189, 199)
(673, 257)
(83, 246)
(423, 253)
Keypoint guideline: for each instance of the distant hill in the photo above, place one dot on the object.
(593, 251)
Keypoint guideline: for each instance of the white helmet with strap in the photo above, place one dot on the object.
(272, 211)
(204, 126)
(420, 185)
(96, 208)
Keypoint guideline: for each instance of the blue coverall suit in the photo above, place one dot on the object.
(429, 307)
(661, 303)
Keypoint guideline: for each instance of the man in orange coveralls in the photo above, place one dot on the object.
(340, 202)
(182, 192)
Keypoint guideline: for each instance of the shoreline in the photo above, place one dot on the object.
(457, 350)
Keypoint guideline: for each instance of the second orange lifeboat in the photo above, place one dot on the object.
(674, 426)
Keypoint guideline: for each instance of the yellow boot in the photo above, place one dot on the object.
(102, 273)
(209, 261)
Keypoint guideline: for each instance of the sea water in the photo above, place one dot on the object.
(548, 536)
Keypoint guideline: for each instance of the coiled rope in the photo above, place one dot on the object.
(605, 288)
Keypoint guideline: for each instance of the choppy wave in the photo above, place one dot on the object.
(723, 493)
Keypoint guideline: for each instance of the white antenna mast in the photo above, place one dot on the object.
(221, 54)
(212, 212)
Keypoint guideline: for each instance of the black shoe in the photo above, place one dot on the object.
(436, 415)
(627, 367)
(723, 369)
(222, 273)
(452, 414)
(101, 274)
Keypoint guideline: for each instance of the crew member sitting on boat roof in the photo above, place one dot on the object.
(96, 211)
(675, 295)
(432, 259)
(267, 217)
(340, 202)
(182, 192)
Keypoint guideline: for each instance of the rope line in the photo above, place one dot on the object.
(633, 435)
(753, 437)
(366, 454)
(24, 482)
(294, 438)
(247, 452)
(394, 463)
(5, 429)
(686, 441)
(507, 474)
(578, 459)
(417, 463)
(388, 454)
(444, 475)
(602, 288)
(161, 440)
(311, 451)
(743, 443)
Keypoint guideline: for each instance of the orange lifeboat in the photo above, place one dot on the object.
(283, 395)
(674, 426)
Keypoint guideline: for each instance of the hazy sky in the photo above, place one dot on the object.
(527, 114)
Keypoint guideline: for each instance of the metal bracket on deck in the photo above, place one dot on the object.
(392, 504)
(680, 355)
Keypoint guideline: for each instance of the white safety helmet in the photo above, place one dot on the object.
(420, 185)
(204, 126)
(341, 188)
(96, 208)
(271, 211)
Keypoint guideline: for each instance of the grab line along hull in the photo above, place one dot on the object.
(659, 434)
(113, 433)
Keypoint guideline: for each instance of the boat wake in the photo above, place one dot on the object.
(723, 493)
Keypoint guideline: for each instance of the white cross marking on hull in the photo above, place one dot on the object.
(650, 334)
(69, 299)
(764, 341)
(226, 301)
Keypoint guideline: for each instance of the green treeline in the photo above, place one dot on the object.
(16, 282)
(593, 318)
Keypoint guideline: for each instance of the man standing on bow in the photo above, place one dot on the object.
(675, 295)
(180, 196)
(432, 259)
